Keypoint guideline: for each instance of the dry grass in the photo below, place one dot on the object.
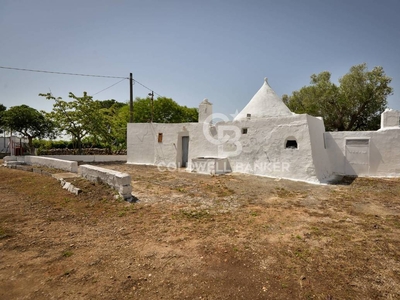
(192, 236)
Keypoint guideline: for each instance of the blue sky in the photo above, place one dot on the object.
(191, 50)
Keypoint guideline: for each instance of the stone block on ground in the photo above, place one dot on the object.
(117, 180)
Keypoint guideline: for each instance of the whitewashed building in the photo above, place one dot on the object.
(267, 139)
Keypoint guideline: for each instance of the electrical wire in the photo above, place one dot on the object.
(60, 73)
(79, 74)
(109, 86)
(147, 88)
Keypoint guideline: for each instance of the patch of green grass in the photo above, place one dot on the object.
(254, 214)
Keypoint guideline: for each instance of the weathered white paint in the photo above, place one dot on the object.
(144, 148)
(265, 103)
(210, 165)
(117, 180)
(70, 166)
(263, 147)
(384, 157)
(255, 143)
(390, 119)
(318, 149)
(205, 110)
(90, 158)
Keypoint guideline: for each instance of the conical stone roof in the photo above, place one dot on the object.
(265, 103)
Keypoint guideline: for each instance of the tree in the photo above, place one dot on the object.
(356, 104)
(165, 110)
(85, 118)
(76, 117)
(2, 110)
(29, 123)
(110, 103)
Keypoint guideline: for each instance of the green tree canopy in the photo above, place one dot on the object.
(85, 118)
(28, 122)
(356, 104)
(110, 103)
(2, 110)
(165, 110)
(73, 117)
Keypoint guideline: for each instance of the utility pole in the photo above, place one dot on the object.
(131, 98)
(152, 105)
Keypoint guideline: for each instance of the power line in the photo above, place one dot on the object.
(147, 88)
(109, 87)
(60, 73)
(79, 74)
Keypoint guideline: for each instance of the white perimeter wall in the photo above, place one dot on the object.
(384, 151)
(90, 158)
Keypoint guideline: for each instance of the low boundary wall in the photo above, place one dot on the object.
(90, 158)
(117, 180)
(66, 165)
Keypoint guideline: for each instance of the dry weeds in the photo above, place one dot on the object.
(198, 237)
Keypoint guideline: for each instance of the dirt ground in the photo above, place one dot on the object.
(193, 236)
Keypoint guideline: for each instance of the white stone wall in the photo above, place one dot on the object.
(390, 119)
(265, 153)
(117, 180)
(90, 158)
(141, 139)
(205, 111)
(319, 152)
(144, 148)
(261, 151)
(384, 154)
(66, 165)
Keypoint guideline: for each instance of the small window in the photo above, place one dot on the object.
(291, 144)
(248, 116)
(160, 137)
(244, 130)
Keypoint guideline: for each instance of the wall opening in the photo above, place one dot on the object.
(185, 151)
(160, 136)
(248, 116)
(244, 130)
(291, 144)
(357, 156)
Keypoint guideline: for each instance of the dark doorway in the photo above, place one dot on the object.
(185, 151)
